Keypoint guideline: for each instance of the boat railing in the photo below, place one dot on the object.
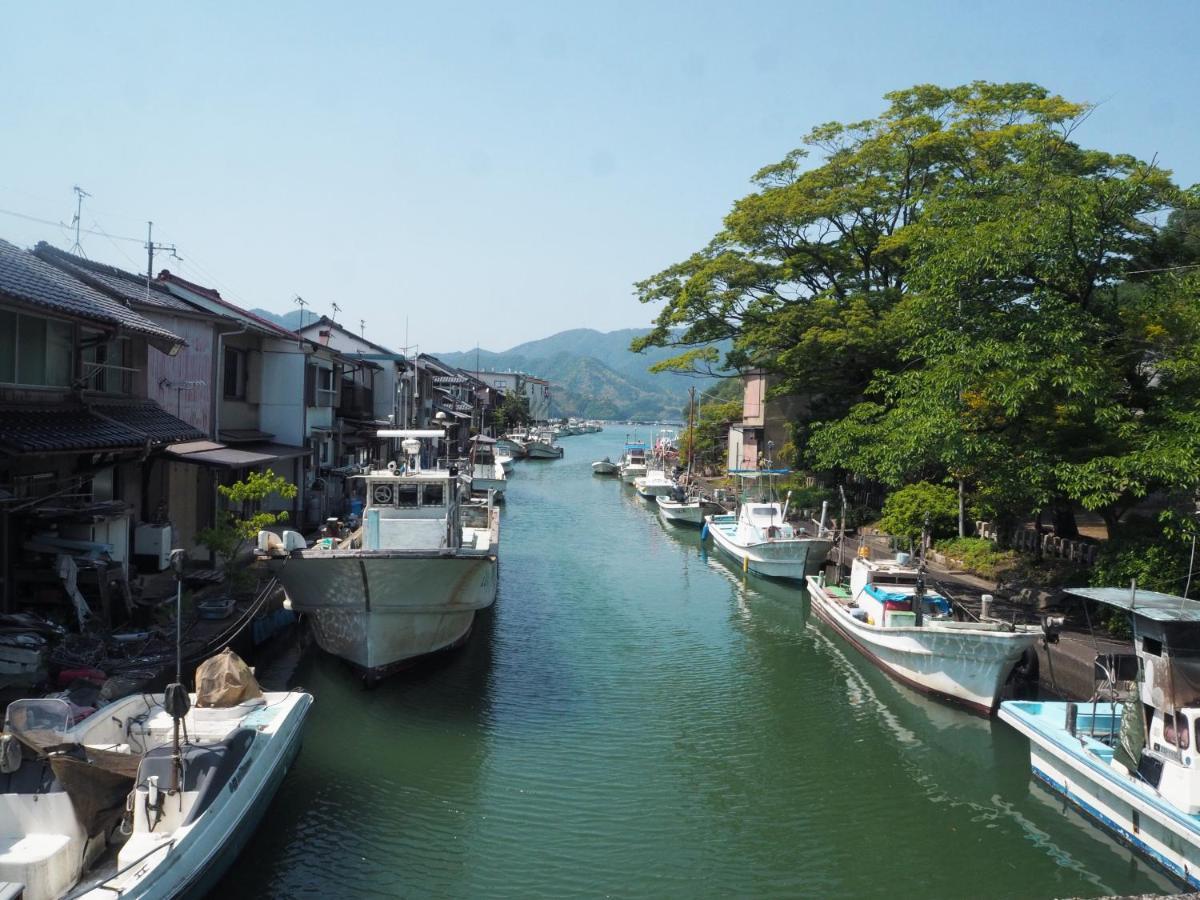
(105, 886)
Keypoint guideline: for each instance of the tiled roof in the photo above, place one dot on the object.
(168, 277)
(28, 280)
(125, 286)
(102, 425)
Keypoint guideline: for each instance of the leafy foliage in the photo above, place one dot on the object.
(905, 511)
(512, 412)
(244, 518)
(1139, 551)
(978, 556)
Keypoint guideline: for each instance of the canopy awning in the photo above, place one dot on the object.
(1149, 604)
(208, 453)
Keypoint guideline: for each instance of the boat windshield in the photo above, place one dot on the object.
(38, 723)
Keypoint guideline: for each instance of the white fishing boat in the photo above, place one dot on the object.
(511, 444)
(1132, 766)
(686, 510)
(758, 536)
(910, 632)
(505, 459)
(633, 460)
(409, 580)
(487, 473)
(605, 467)
(655, 483)
(541, 446)
(133, 801)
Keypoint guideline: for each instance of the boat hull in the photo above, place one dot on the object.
(962, 666)
(541, 450)
(1164, 835)
(605, 468)
(788, 559)
(381, 610)
(631, 473)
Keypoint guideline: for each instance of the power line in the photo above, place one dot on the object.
(29, 218)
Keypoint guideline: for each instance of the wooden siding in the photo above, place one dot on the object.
(193, 363)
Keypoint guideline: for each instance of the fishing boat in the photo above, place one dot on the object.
(633, 460)
(505, 459)
(686, 509)
(512, 444)
(655, 483)
(1129, 761)
(487, 474)
(605, 467)
(408, 581)
(758, 536)
(911, 633)
(541, 446)
(153, 795)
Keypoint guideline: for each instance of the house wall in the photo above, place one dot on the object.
(281, 408)
(754, 398)
(193, 363)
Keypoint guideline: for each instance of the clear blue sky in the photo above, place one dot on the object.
(497, 172)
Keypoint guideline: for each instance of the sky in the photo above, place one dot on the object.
(466, 174)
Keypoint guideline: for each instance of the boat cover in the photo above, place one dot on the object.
(225, 680)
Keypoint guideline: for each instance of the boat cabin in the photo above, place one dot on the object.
(1160, 728)
(884, 590)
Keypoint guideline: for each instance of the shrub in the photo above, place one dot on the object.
(905, 510)
(978, 556)
(242, 523)
(1141, 550)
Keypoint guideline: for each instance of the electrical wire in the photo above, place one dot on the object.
(29, 218)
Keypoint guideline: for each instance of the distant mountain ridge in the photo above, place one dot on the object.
(593, 374)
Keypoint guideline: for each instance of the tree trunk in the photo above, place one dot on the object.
(962, 511)
(1064, 519)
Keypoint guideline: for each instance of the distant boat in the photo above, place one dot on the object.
(759, 537)
(690, 510)
(409, 580)
(655, 483)
(605, 467)
(513, 445)
(633, 461)
(1130, 765)
(487, 474)
(542, 446)
(886, 614)
(505, 459)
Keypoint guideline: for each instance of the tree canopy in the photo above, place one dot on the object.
(964, 292)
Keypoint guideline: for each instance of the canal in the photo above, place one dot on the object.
(635, 718)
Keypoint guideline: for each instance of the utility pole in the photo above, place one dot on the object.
(336, 309)
(80, 193)
(301, 302)
(150, 248)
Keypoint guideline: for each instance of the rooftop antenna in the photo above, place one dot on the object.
(336, 309)
(150, 248)
(300, 302)
(362, 328)
(80, 193)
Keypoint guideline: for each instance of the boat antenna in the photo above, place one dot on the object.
(175, 700)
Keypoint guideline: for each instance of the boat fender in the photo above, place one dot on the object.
(864, 552)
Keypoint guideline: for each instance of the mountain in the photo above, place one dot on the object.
(289, 320)
(594, 374)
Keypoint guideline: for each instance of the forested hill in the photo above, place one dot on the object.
(594, 374)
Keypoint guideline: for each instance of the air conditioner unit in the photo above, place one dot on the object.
(152, 546)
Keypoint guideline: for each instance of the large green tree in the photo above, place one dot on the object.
(807, 269)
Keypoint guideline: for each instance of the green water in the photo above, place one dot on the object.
(636, 719)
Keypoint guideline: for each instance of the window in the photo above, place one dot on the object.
(435, 495)
(1175, 730)
(235, 374)
(35, 351)
(326, 395)
(406, 495)
(105, 364)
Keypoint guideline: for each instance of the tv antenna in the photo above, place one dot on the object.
(301, 302)
(336, 309)
(362, 328)
(80, 193)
